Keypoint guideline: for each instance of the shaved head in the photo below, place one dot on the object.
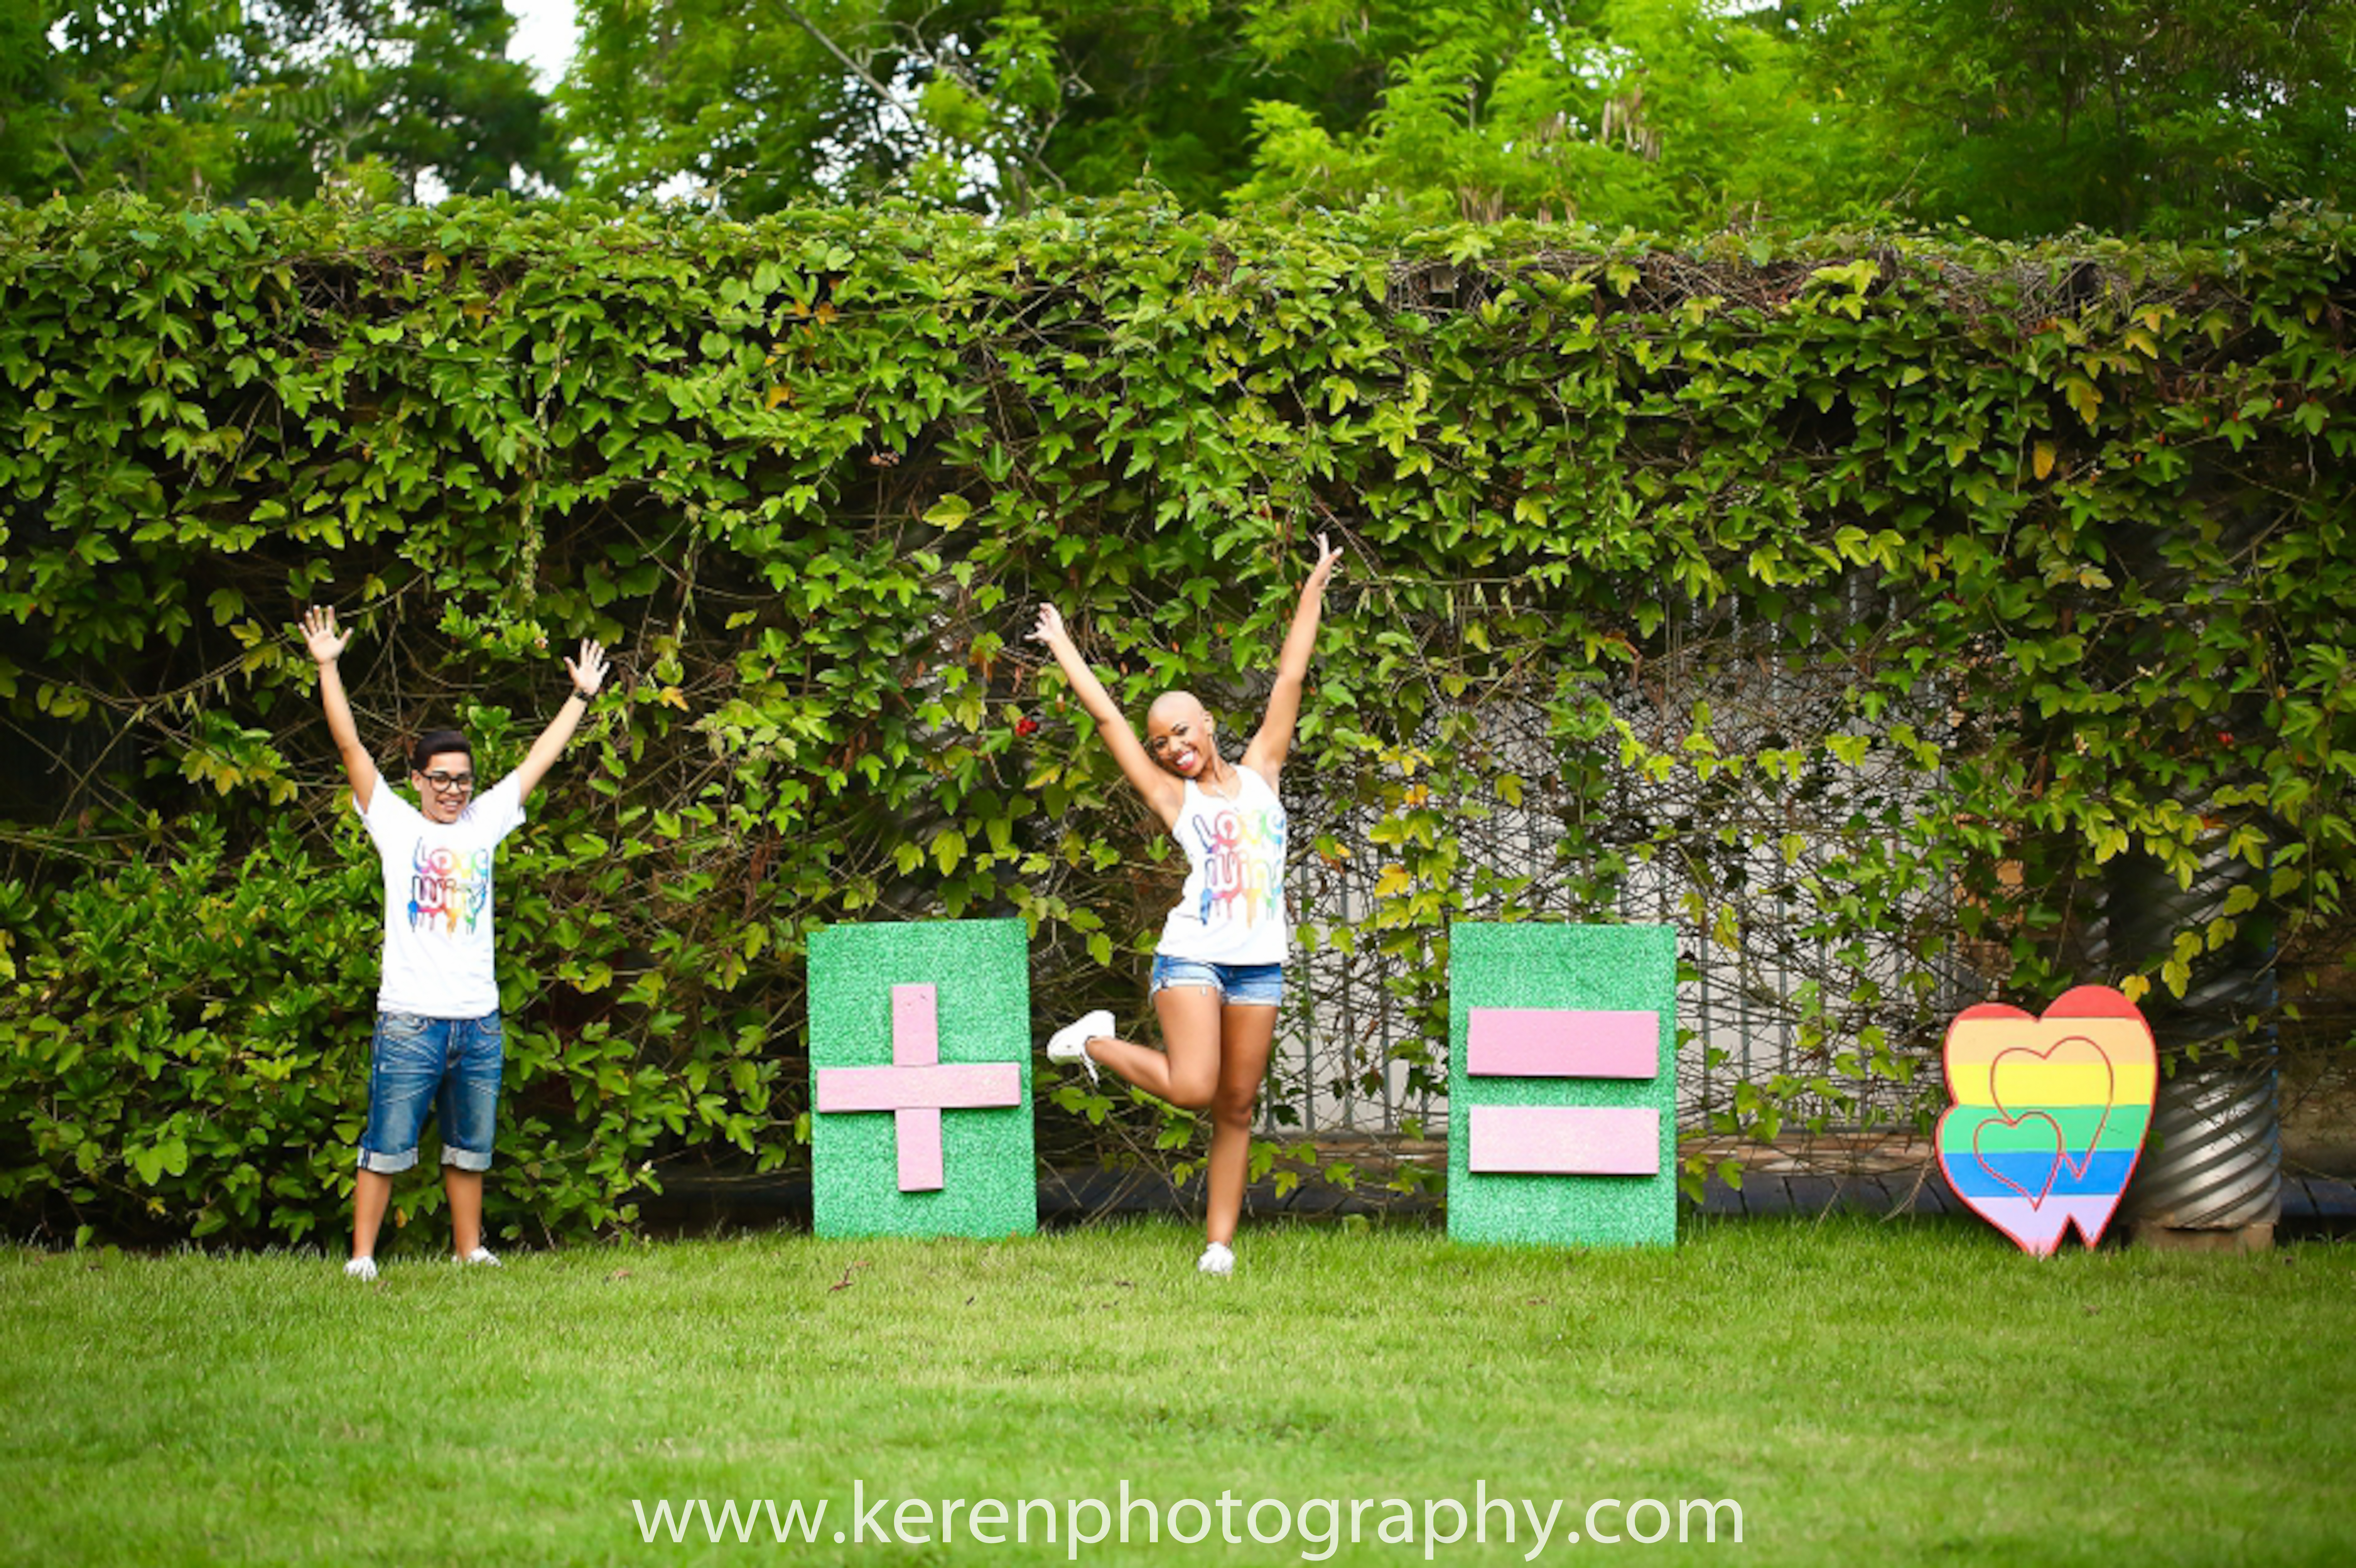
(1179, 736)
(1172, 706)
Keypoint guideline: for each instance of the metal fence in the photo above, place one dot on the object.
(1769, 990)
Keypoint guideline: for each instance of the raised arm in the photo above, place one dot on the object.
(326, 645)
(1162, 791)
(1268, 748)
(588, 673)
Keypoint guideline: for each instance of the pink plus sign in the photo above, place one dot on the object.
(917, 1088)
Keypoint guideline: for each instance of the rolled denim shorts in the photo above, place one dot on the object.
(449, 1067)
(1251, 985)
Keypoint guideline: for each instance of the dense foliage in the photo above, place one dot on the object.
(2149, 117)
(263, 100)
(2131, 116)
(2053, 541)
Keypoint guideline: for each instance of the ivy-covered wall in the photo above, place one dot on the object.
(2058, 537)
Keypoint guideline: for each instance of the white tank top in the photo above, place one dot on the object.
(1232, 911)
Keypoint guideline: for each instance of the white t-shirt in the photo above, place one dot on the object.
(437, 901)
(1232, 909)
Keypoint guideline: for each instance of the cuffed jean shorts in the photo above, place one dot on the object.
(1251, 985)
(449, 1067)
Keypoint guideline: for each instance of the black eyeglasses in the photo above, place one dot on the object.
(449, 784)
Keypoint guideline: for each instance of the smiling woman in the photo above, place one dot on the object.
(1218, 973)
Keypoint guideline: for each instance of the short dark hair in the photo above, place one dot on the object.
(435, 743)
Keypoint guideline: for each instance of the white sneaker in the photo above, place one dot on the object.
(362, 1269)
(480, 1255)
(1070, 1042)
(1218, 1258)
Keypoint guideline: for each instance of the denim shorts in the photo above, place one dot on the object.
(1251, 985)
(449, 1067)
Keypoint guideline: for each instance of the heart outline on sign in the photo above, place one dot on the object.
(2110, 1099)
(2052, 1172)
(2036, 1222)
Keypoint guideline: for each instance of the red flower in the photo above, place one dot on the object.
(1026, 727)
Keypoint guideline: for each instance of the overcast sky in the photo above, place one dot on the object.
(543, 36)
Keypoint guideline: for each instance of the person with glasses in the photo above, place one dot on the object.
(437, 1046)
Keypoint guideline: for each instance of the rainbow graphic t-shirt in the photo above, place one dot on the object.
(1232, 909)
(438, 959)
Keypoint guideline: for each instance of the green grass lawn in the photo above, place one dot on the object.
(1869, 1393)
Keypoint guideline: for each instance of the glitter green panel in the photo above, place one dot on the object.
(981, 972)
(1600, 967)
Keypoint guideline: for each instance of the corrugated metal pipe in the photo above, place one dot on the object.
(2214, 1158)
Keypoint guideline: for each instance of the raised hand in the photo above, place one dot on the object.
(327, 644)
(1328, 558)
(1273, 742)
(1050, 628)
(588, 671)
(319, 634)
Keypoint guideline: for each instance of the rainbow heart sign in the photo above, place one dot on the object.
(2048, 1113)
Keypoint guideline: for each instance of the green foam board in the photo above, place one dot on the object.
(1536, 965)
(981, 972)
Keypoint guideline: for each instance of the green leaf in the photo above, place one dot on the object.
(949, 512)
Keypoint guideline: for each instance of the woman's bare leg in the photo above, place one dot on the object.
(1248, 1033)
(1187, 1073)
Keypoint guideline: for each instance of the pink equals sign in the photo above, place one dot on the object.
(1563, 1140)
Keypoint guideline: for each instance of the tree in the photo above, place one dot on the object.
(2153, 116)
(771, 101)
(125, 95)
(1659, 112)
(206, 99)
(412, 89)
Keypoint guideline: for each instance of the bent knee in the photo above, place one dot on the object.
(1233, 1108)
(1189, 1093)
